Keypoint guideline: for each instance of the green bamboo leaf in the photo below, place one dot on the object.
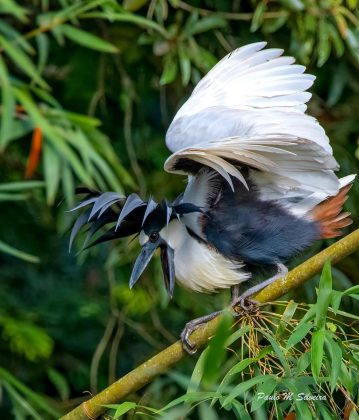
(336, 39)
(298, 334)
(28, 393)
(185, 64)
(8, 249)
(170, 70)
(206, 24)
(15, 36)
(52, 135)
(60, 383)
(324, 296)
(317, 352)
(133, 5)
(121, 409)
(257, 19)
(86, 39)
(23, 62)
(21, 185)
(303, 362)
(18, 399)
(240, 410)
(266, 388)
(297, 388)
(130, 18)
(7, 116)
(286, 317)
(68, 184)
(241, 388)
(12, 197)
(278, 351)
(197, 373)
(335, 354)
(52, 172)
(324, 45)
(190, 397)
(43, 48)
(12, 8)
(217, 349)
(4, 75)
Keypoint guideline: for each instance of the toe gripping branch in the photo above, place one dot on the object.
(240, 304)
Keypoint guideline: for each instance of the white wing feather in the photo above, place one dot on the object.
(250, 110)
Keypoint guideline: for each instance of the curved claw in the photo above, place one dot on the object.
(187, 344)
(191, 326)
(244, 305)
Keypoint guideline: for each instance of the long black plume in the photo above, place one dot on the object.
(127, 215)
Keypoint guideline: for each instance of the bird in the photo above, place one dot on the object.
(261, 184)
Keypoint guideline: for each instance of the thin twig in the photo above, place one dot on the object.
(164, 360)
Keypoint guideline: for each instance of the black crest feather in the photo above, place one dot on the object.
(127, 215)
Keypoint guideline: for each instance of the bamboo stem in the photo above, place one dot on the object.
(164, 360)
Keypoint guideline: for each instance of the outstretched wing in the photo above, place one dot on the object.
(249, 110)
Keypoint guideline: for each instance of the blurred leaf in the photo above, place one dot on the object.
(185, 64)
(335, 353)
(22, 61)
(11, 7)
(12, 197)
(21, 185)
(87, 39)
(207, 24)
(324, 295)
(134, 5)
(52, 172)
(26, 338)
(324, 46)
(169, 70)
(216, 349)
(35, 399)
(60, 382)
(43, 46)
(15, 36)
(7, 116)
(257, 19)
(8, 249)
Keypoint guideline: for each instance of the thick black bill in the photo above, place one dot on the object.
(168, 267)
(142, 261)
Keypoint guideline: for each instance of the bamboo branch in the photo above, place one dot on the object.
(164, 360)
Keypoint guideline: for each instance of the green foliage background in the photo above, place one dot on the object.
(102, 79)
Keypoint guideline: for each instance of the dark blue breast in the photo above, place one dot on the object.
(243, 227)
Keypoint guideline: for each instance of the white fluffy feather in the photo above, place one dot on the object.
(250, 110)
(198, 266)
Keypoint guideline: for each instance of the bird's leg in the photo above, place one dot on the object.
(191, 326)
(237, 300)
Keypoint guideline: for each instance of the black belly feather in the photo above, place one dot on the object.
(244, 228)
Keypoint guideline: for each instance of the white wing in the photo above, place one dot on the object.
(250, 110)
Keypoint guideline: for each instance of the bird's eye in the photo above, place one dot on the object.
(154, 236)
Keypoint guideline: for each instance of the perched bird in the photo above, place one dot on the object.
(261, 183)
